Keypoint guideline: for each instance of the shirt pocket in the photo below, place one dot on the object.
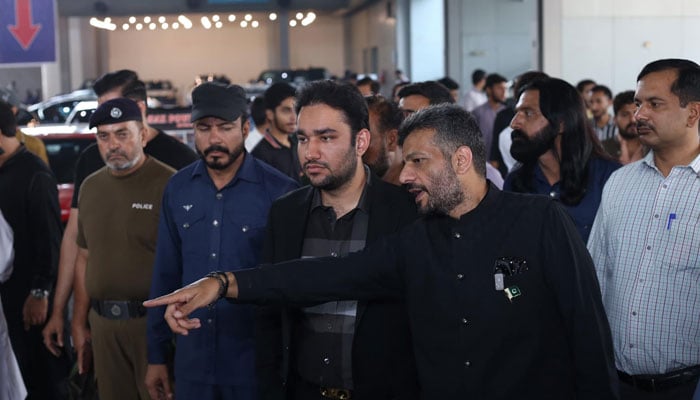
(683, 244)
(249, 230)
(192, 230)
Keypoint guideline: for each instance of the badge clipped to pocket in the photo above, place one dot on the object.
(508, 266)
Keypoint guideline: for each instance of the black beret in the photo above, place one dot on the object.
(214, 99)
(115, 111)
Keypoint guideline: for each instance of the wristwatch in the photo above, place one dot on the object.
(39, 293)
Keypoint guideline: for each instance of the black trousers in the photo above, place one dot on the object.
(45, 376)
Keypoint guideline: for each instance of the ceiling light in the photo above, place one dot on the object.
(132, 20)
(215, 18)
(186, 23)
(244, 24)
(255, 24)
(146, 19)
(219, 24)
(97, 23)
(300, 15)
(293, 23)
(175, 25)
(139, 26)
(161, 19)
(310, 17)
(125, 27)
(273, 16)
(205, 22)
(164, 26)
(152, 26)
(248, 17)
(231, 18)
(107, 20)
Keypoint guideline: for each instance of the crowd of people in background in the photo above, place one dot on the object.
(525, 237)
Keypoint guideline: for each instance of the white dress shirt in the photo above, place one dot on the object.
(645, 244)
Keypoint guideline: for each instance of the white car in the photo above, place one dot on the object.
(77, 121)
(57, 109)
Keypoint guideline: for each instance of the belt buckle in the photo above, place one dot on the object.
(336, 394)
(648, 385)
(117, 309)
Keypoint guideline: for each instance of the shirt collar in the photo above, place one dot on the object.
(246, 171)
(362, 204)
(270, 138)
(694, 165)
(492, 195)
(13, 158)
(482, 212)
(542, 184)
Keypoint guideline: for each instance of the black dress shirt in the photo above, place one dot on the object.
(546, 338)
(325, 332)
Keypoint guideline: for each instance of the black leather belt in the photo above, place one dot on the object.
(336, 394)
(658, 383)
(114, 309)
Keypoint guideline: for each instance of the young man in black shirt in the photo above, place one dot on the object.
(277, 146)
(360, 348)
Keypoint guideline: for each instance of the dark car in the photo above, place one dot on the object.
(63, 151)
(295, 77)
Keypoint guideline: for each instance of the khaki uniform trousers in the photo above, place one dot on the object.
(119, 348)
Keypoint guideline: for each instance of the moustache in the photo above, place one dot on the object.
(119, 153)
(518, 134)
(629, 132)
(315, 163)
(214, 148)
(413, 186)
(642, 124)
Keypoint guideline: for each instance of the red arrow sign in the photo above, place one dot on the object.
(23, 30)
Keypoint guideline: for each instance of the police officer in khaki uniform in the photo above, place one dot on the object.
(119, 209)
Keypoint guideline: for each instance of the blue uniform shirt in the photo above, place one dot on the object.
(203, 229)
(583, 213)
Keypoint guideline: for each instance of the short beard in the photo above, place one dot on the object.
(527, 150)
(381, 165)
(335, 180)
(126, 166)
(280, 127)
(625, 134)
(217, 163)
(445, 192)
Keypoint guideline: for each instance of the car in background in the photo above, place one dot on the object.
(63, 151)
(77, 121)
(57, 109)
(295, 77)
(161, 94)
(82, 112)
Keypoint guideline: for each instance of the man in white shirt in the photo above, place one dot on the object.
(476, 96)
(645, 241)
